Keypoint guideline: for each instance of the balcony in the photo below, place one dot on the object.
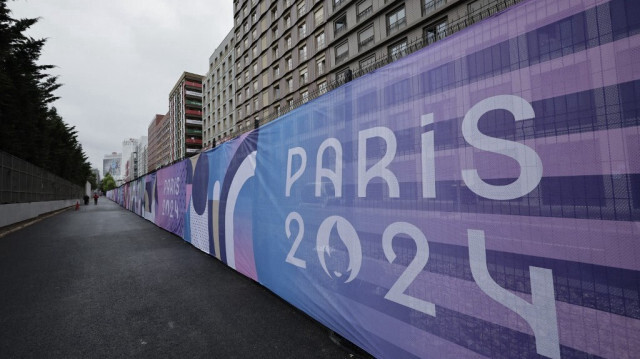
(193, 103)
(193, 141)
(194, 122)
(193, 93)
(193, 112)
(193, 84)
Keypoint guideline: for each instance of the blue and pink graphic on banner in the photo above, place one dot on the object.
(478, 198)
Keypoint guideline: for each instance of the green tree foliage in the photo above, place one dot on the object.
(108, 183)
(30, 128)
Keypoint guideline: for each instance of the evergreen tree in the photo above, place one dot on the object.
(29, 127)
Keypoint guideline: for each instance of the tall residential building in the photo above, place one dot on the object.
(142, 157)
(290, 51)
(185, 116)
(158, 151)
(219, 93)
(129, 147)
(112, 164)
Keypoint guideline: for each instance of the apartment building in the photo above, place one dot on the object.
(158, 149)
(287, 51)
(218, 87)
(185, 116)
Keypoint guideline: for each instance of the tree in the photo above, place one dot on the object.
(108, 183)
(29, 127)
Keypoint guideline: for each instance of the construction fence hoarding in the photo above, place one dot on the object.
(478, 198)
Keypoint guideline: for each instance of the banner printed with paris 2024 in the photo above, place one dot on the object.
(171, 190)
(446, 176)
(478, 198)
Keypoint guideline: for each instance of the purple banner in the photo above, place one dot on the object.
(478, 198)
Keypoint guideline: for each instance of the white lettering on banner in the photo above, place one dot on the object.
(169, 208)
(428, 152)
(540, 314)
(334, 176)
(296, 151)
(528, 159)
(296, 243)
(396, 292)
(380, 168)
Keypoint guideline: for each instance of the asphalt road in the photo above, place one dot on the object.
(104, 283)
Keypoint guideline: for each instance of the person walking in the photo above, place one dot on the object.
(95, 198)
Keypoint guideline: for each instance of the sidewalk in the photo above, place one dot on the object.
(103, 282)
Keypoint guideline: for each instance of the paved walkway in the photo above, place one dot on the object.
(104, 283)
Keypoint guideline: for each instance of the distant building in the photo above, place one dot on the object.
(185, 116)
(112, 164)
(142, 156)
(128, 148)
(159, 150)
(218, 107)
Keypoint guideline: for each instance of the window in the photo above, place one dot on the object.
(254, 17)
(368, 61)
(246, 43)
(255, 69)
(254, 52)
(255, 104)
(277, 110)
(398, 49)
(318, 16)
(290, 84)
(431, 5)
(276, 91)
(246, 60)
(304, 76)
(245, 27)
(435, 31)
(276, 71)
(246, 76)
(290, 103)
(254, 34)
(364, 8)
(302, 30)
(322, 87)
(289, 63)
(305, 96)
(303, 53)
(301, 9)
(288, 41)
(276, 52)
(275, 34)
(320, 65)
(320, 40)
(274, 15)
(396, 19)
(340, 24)
(246, 92)
(240, 97)
(248, 108)
(287, 21)
(255, 86)
(342, 51)
(365, 37)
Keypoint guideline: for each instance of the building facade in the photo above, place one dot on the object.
(185, 116)
(158, 150)
(112, 164)
(218, 107)
(142, 167)
(288, 52)
(129, 148)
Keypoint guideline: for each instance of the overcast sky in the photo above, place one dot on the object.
(118, 59)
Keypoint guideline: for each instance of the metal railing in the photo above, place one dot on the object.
(21, 182)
